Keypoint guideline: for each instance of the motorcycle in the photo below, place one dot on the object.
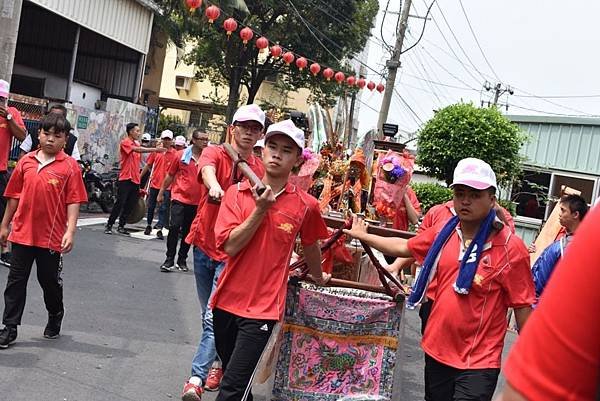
(100, 187)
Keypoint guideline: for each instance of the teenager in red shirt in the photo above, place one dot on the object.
(44, 194)
(557, 356)
(481, 269)
(11, 125)
(216, 173)
(258, 234)
(130, 152)
(185, 195)
(159, 164)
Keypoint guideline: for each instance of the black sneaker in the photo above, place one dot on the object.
(108, 229)
(148, 230)
(168, 266)
(8, 336)
(182, 266)
(160, 235)
(5, 259)
(123, 231)
(52, 329)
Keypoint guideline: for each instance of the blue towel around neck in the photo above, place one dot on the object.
(186, 156)
(468, 265)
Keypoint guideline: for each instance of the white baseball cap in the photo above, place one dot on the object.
(260, 143)
(474, 173)
(5, 89)
(146, 137)
(249, 112)
(166, 134)
(288, 128)
(180, 140)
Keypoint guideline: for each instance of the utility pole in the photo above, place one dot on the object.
(10, 15)
(499, 90)
(393, 64)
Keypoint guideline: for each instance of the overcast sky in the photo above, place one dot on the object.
(539, 48)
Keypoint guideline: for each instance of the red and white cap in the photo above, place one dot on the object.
(474, 173)
(166, 134)
(180, 140)
(4, 88)
(249, 112)
(288, 128)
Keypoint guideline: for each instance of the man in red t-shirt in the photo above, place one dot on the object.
(185, 195)
(159, 164)
(557, 356)
(11, 125)
(481, 269)
(258, 234)
(130, 152)
(216, 173)
(44, 194)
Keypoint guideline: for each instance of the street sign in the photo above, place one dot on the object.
(390, 129)
(82, 122)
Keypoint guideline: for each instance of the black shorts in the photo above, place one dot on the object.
(445, 383)
(3, 183)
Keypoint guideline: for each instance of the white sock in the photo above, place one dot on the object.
(195, 380)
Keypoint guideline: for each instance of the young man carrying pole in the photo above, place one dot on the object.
(258, 234)
(216, 173)
(481, 269)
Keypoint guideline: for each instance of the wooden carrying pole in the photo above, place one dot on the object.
(245, 169)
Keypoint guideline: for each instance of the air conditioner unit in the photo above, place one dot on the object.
(183, 83)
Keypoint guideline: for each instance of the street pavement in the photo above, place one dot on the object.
(129, 331)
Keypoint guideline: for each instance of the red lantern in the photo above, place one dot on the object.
(301, 63)
(361, 83)
(380, 88)
(276, 51)
(246, 34)
(371, 85)
(288, 57)
(328, 73)
(262, 43)
(339, 77)
(230, 26)
(315, 68)
(193, 4)
(351, 80)
(212, 13)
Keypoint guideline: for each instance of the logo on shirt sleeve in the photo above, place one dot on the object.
(53, 181)
(286, 227)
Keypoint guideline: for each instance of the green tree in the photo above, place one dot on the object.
(172, 123)
(342, 27)
(462, 130)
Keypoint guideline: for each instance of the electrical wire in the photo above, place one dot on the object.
(554, 114)
(559, 96)
(477, 41)
(383, 23)
(422, 30)
(416, 116)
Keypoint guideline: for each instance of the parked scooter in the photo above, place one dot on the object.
(101, 187)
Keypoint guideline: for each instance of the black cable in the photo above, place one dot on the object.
(477, 41)
(382, 23)
(422, 30)
(420, 122)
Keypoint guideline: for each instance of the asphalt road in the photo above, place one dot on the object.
(129, 331)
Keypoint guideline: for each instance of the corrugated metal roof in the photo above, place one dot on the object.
(128, 22)
(562, 143)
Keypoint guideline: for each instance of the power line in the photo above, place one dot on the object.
(416, 116)
(383, 23)
(552, 113)
(422, 30)
(477, 41)
(559, 96)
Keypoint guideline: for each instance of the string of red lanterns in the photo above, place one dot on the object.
(230, 25)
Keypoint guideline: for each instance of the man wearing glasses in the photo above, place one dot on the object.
(216, 170)
(182, 178)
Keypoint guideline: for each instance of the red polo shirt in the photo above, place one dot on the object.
(401, 218)
(130, 161)
(185, 188)
(440, 214)
(254, 282)
(161, 163)
(467, 331)
(6, 136)
(41, 217)
(557, 355)
(202, 232)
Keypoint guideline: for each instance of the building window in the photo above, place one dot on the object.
(537, 192)
(531, 194)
